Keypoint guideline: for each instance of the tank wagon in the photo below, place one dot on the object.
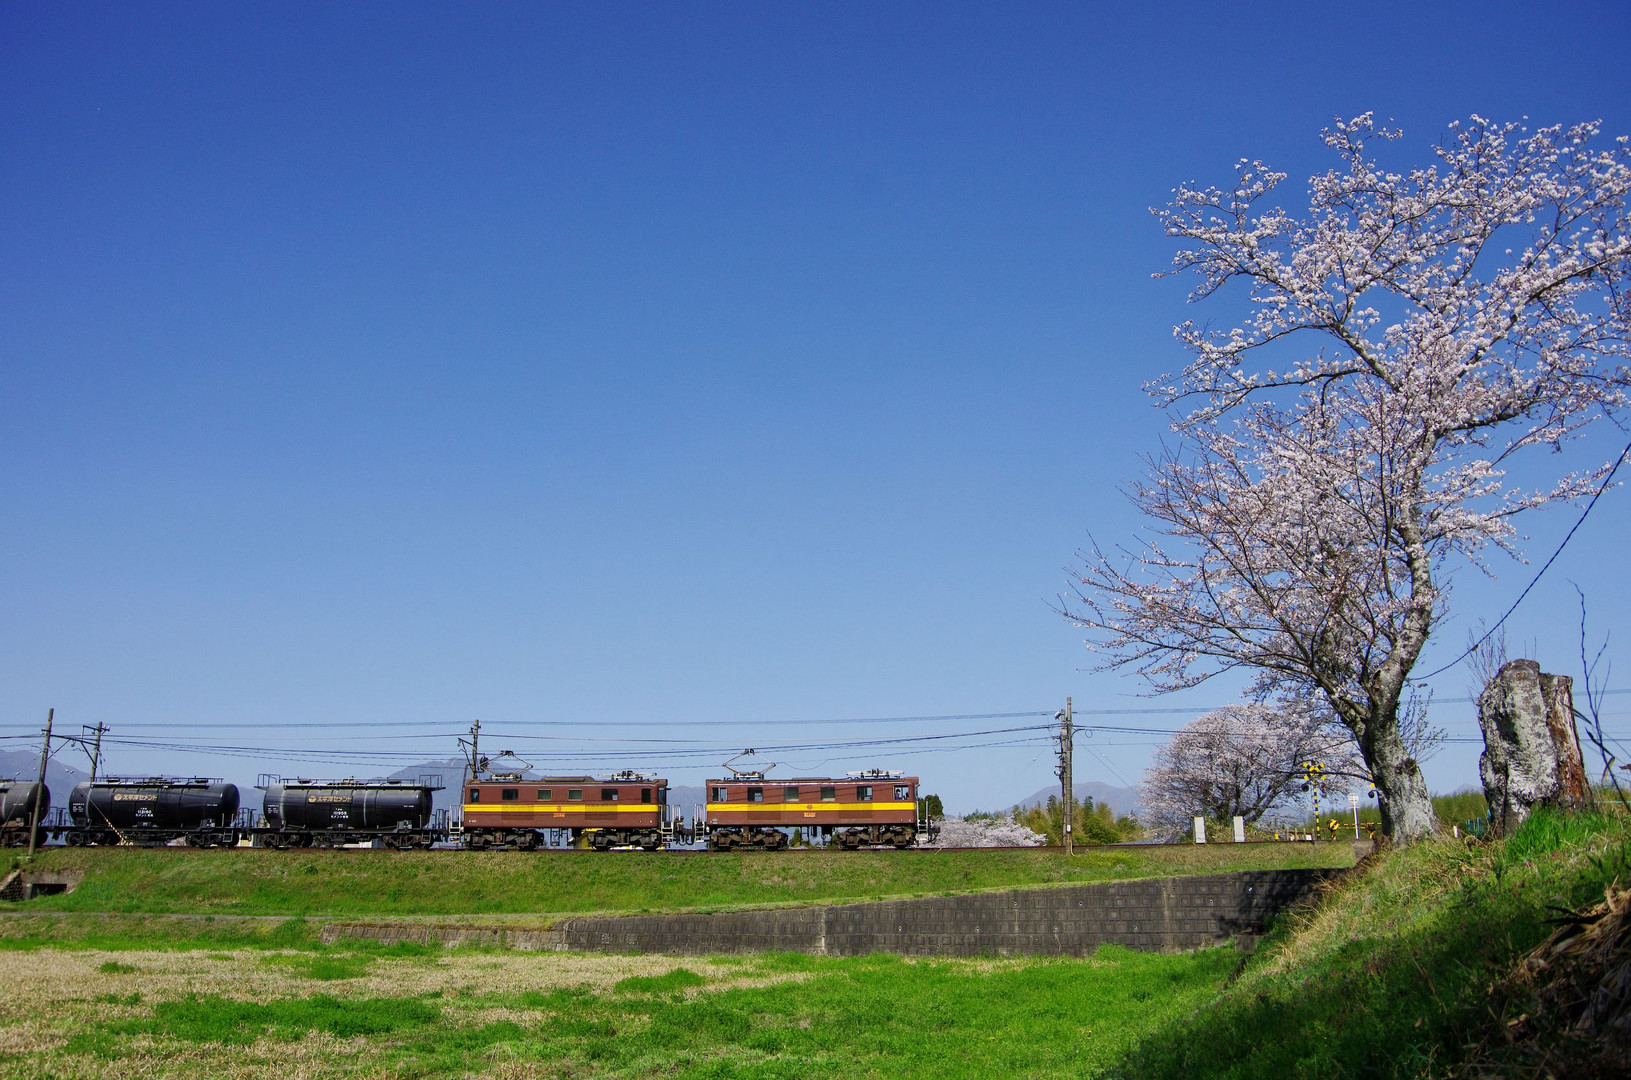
(874, 808)
(152, 811)
(17, 810)
(627, 809)
(509, 810)
(329, 813)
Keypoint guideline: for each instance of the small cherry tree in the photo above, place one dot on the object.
(1241, 760)
(1406, 338)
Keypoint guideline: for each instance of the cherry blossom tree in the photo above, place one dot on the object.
(987, 831)
(1344, 444)
(1241, 760)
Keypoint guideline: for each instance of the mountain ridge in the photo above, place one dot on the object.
(1121, 800)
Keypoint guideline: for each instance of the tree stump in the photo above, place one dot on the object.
(1531, 749)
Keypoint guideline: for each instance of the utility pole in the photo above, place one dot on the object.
(45, 756)
(98, 731)
(473, 744)
(474, 763)
(1067, 779)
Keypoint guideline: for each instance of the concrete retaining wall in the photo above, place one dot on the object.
(27, 884)
(1166, 914)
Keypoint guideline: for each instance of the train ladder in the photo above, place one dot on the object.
(122, 838)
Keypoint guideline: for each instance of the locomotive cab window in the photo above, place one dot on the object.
(790, 794)
(475, 794)
(575, 794)
(645, 794)
(863, 793)
(509, 794)
(756, 794)
(662, 796)
(719, 794)
(829, 794)
(608, 794)
(903, 793)
(543, 794)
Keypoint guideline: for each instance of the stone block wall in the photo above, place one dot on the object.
(1164, 914)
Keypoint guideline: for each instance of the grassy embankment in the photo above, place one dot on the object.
(377, 883)
(1391, 975)
(1388, 976)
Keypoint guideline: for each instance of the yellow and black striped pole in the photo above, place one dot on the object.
(1313, 778)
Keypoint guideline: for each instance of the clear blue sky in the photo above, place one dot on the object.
(674, 364)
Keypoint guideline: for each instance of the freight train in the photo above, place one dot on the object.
(153, 811)
(498, 811)
(204, 812)
(17, 810)
(329, 813)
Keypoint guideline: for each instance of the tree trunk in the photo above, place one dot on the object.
(1407, 808)
(1531, 751)
(1573, 786)
(1401, 790)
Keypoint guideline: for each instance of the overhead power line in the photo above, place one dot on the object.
(1470, 649)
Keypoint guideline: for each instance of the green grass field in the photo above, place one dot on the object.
(1387, 976)
(449, 1014)
(381, 883)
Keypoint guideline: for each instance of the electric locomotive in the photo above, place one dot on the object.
(627, 809)
(871, 808)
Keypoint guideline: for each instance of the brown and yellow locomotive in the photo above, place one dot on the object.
(875, 808)
(627, 809)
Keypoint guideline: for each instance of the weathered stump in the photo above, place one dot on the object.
(1531, 750)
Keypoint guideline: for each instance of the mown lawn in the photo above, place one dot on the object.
(381, 883)
(776, 1016)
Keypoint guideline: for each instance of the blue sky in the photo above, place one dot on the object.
(642, 369)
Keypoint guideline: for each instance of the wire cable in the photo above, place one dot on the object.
(1536, 579)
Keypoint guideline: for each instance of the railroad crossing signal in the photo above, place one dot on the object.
(1313, 780)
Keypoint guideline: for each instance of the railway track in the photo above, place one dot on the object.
(802, 851)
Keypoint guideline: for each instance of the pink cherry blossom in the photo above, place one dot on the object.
(1340, 449)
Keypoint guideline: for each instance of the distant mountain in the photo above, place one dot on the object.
(60, 777)
(1121, 800)
(450, 770)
